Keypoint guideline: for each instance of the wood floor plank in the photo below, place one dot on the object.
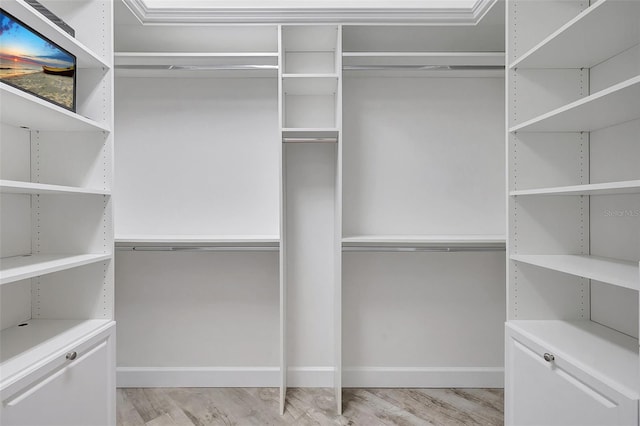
(309, 407)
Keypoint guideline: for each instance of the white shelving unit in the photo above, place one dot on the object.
(56, 269)
(573, 242)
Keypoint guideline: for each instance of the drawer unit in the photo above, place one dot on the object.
(543, 387)
(76, 388)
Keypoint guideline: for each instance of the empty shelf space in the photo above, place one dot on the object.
(310, 133)
(18, 268)
(612, 271)
(26, 13)
(416, 242)
(627, 187)
(609, 356)
(17, 187)
(312, 38)
(614, 105)
(426, 59)
(310, 84)
(577, 45)
(25, 348)
(193, 241)
(21, 109)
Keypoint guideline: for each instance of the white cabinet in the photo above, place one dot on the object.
(77, 393)
(56, 232)
(547, 389)
(573, 186)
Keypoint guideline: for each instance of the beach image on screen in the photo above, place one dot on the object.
(30, 62)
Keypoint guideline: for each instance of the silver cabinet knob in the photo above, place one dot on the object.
(548, 357)
(72, 355)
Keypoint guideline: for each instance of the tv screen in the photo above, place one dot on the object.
(30, 62)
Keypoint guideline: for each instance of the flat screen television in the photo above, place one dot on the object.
(34, 64)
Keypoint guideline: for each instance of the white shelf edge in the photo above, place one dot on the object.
(18, 268)
(611, 271)
(594, 8)
(46, 340)
(205, 240)
(617, 343)
(18, 187)
(424, 58)
(574, 105)
(427, 54)
(461, 238)
(85, 56)
(626, 187)
(310, 76)
(10, 94)
(195, 54)
(470, 242)
(310, 132)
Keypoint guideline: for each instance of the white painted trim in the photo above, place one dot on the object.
(211, 15)
(194, 377)
(311, 377)
(423, 377)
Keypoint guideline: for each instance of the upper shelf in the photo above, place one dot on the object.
(578, 44)
(608, 107)
(186, 241)
(18, 187)
(310, 84)
(18, 268)
(167, 64)
(22, 109)
(310, 133)
(612, 188)
(410, 242)
(612, 271)
(423, 58)
(85, 57)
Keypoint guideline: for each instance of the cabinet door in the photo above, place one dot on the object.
(543, 393)
(79, 394)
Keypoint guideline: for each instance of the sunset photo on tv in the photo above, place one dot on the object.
(30, 62)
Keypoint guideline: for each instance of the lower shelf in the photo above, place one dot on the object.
(608, 355)
(24, 348)
(18, 268)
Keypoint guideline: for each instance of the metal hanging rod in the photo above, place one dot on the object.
(309, 140)
(219, 67)
(433, 249)
(423, 67)
(197, 248)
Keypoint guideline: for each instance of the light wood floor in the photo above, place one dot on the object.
(368, 407)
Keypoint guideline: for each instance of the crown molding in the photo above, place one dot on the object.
(216, 15)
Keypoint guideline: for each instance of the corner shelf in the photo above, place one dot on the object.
(613, 105)
(24, 349)
(609, 356)
(577, 45)
(612, 188)
(18, 187)
(611, 271)
(18, 268)
(85, 57)
(21, 109)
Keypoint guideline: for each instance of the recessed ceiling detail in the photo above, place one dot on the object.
(431, 12)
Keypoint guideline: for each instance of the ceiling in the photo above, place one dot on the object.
(431, 12)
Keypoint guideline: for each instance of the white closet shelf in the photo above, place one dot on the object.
(198, 240)
(612, 188)
(310, 132)
(613, 105)
(18, 268)
(85, 57)
(609, 356)
(310, 84)
(424, 58)
(22, 109)
(25, 349)
(577, 45)
(18, 187)
(471, 240)
(195, 58)
(617, 272)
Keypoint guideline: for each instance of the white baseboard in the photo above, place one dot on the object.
(197, 377)
(423, 377)
(311, 377)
